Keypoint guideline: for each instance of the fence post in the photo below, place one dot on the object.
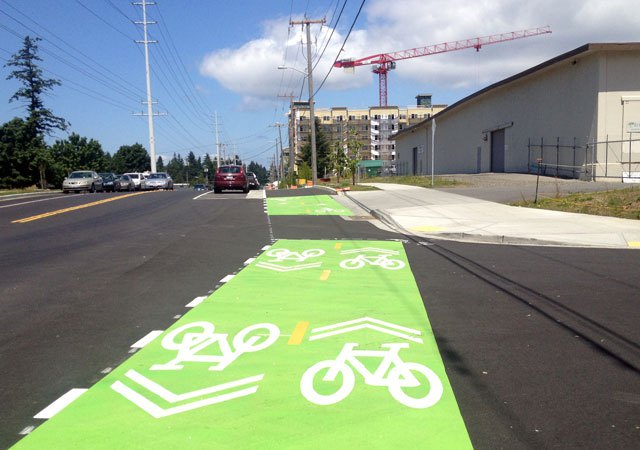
(574, 157)
(542, 151)
(606, 157)
(529, 156)
(593, 163)
(557, 156)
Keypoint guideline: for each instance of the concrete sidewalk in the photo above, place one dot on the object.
(433, 213)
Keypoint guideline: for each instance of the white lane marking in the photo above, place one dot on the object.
(201, 195)
(249, 261)
(196, 301)
(27, 430)
(33, 201)
(59, 404)
(147, 339)
(106, 370)
(227, 278)
(266, 247)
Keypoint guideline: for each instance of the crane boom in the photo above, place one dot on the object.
(386, 61)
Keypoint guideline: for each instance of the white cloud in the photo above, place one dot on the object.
(251, 70)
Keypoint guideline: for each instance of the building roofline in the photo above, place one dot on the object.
(583, 49)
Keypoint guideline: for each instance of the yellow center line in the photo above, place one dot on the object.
(325, 275)
(298, 333)
(74, 208)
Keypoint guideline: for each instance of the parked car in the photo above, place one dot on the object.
(82, 180)
(158, 180)
(108, 181)
(199, 187)
(253, 181)
(138, 180)
(124, 183)
(232, 177)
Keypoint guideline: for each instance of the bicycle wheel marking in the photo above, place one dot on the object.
(360, 345)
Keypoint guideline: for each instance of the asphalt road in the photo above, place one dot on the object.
(541, 345)
(79, 288)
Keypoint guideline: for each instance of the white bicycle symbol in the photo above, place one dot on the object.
(283, 254)
(399, 376)
(189, 344)
(378, 260)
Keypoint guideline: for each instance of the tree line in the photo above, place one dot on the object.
(26, 159)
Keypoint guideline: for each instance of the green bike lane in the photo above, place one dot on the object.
(314, 343)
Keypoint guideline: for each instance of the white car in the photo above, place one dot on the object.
(138, 180)
(159, 180)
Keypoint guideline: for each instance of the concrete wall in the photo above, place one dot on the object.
(558, 106)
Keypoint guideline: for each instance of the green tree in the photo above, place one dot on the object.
(353, 154)
(175, 168)
(19, 154)
(131, 158)
(338, 160)
(323, 150)
(260, 171)
(39, 121)
(34, 86)
(78, 153)
(160, 164)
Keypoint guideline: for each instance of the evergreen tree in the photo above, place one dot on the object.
(175, 168)
(34, 86)
(160, 164)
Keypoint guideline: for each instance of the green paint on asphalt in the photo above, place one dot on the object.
(261, 379)
(308, 205)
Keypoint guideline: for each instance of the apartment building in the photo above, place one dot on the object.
(374, 127)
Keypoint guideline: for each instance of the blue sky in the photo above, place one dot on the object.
(217, 56)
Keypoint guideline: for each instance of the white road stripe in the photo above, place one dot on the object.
(227, 278)
(147, 339)
(33, 201)
(196, 301)
(201, 195)
(59, 404)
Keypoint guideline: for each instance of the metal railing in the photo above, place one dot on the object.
(612, 158)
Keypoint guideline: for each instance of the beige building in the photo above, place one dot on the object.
(374, 127)
(576, 115)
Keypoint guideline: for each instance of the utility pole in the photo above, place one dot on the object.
(217, 139)
(314, 157)
(280, 125)
(146, 42)
(292, 125)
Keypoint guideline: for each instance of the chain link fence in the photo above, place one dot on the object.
(568, 158)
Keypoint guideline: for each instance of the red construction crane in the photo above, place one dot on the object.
(387, 61)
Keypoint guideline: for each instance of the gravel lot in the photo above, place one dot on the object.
(513, 187)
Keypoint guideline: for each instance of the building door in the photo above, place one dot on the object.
(497, 151)
(414, 167)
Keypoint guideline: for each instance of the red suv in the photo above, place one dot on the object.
(230, 177)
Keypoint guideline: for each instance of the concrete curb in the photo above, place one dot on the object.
(388, 220)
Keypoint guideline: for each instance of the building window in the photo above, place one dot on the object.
(365, 117)
(352, 117)
(376, 117)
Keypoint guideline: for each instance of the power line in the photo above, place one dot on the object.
(341, 47)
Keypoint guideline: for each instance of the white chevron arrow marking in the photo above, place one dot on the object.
(278, 268)
(363, 323)
(158, 412)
